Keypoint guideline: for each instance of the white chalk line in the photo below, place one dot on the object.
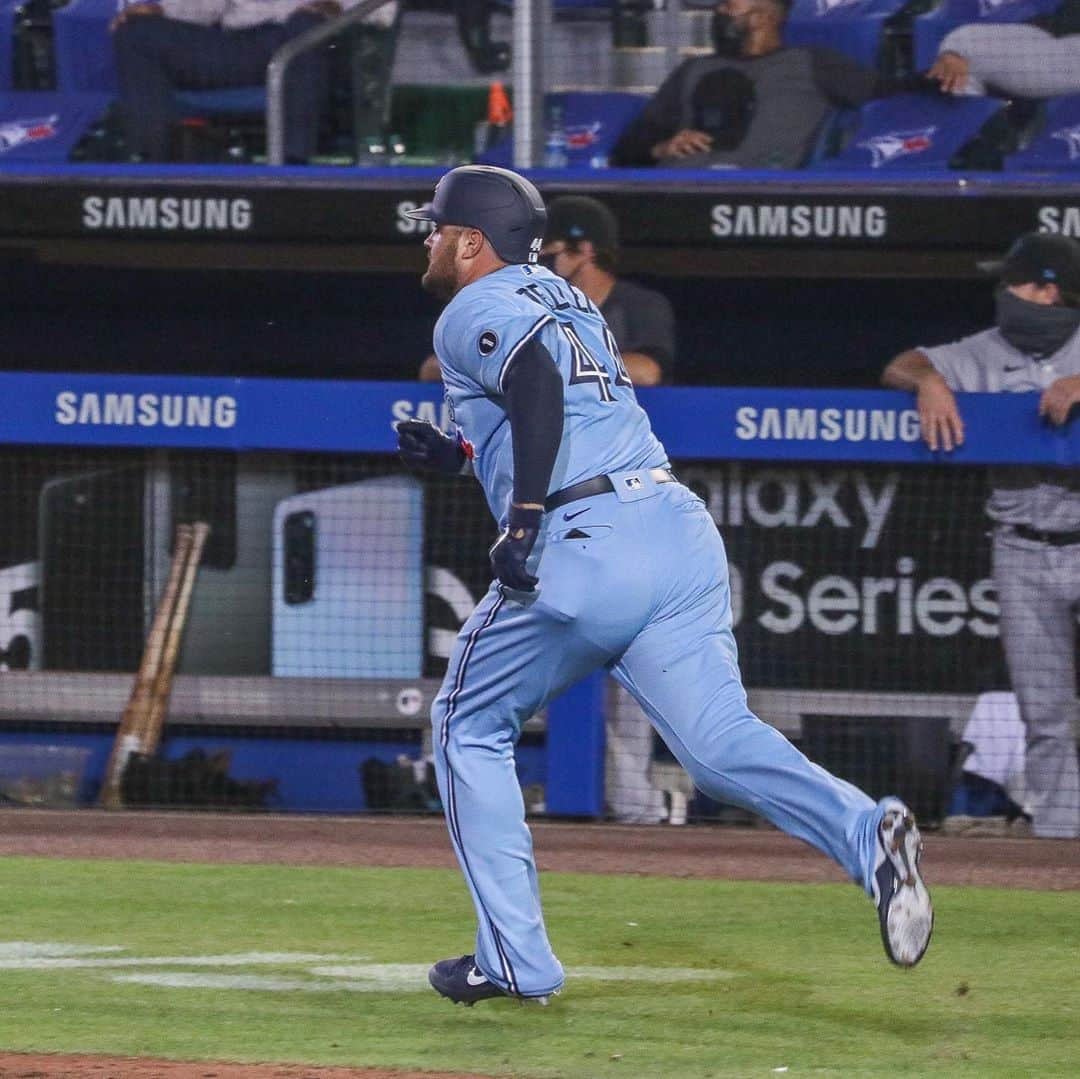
(322, 973)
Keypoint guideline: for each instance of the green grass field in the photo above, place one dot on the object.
(714, 978)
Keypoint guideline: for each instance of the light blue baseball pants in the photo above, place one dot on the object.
(645, 593)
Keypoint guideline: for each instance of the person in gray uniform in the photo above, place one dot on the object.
(1034, 348)
(755, 103)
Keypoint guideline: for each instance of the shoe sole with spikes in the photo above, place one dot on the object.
(903, 902)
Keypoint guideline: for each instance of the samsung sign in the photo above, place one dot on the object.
(779, 220)
(170, 213)
(145, 410)
(693, 422)
(827, 424)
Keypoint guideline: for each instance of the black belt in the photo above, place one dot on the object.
(598, 485)
(1055, 539)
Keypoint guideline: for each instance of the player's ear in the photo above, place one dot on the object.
(471, 243)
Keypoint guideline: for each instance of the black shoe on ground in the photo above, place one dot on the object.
(462, 981)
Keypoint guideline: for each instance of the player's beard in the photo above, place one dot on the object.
(440, 278)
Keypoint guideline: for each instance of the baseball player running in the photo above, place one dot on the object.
(604, 560)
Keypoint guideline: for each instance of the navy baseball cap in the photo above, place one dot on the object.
(1044, 258)
(574, 218)
(504, 206)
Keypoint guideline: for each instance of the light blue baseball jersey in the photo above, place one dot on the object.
(634, 580)
(479, 334)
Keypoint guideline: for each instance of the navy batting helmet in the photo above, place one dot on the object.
(504, 206)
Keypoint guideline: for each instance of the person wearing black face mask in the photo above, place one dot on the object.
(1033, 348)
(755, 103)
(581, 245)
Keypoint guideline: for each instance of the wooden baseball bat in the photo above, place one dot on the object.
(127, 739)
(154, 717)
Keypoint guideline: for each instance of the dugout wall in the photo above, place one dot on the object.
(334, 582)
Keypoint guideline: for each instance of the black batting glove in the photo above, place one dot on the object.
(511, 549)
(423, 445)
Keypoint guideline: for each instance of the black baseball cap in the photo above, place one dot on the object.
(577, 217)
(1044, 258)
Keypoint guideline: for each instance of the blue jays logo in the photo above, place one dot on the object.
(893, 144)
(17, 132)
(1071, 137)
(582, 136)
(827, 7)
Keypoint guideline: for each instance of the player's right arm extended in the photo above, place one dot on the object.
(533, 398)
(938, 415)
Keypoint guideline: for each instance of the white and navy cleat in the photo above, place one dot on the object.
(903, 903)
(463, 982)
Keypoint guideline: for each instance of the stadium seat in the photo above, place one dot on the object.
(7, 40)
(930, 29)
(832, 136)
(853, 27)
(44, 127)
(592, 122)
(84, 62)
(83, 49)
(1056, 147)
(911, 131)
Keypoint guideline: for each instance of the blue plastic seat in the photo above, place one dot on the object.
(44, 127)
(83, 47)
(247, 100)
(853, 27)
(911, 131)
(1056, 148)
(85, 61)
(831, 135)
(592, 123)
(7, 40)
(929, 30)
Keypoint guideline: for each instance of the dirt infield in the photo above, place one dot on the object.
(730, 853)
(758, 853)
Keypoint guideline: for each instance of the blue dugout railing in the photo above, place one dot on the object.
(693, 423)
(343, 417)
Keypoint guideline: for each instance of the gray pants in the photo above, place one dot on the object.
(1039, 590)
(631, 796)
(1016, 59)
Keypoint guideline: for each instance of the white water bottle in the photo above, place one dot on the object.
(555, 142)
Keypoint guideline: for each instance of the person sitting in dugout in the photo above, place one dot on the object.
(755, 103)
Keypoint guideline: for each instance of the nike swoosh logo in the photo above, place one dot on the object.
(571, 516)
(474, 977)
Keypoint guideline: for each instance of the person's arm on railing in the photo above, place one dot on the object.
(938, 415)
